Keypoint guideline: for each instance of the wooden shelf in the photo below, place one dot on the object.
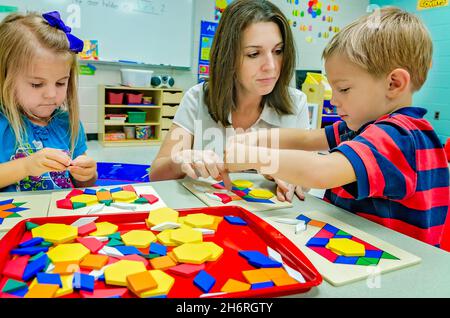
(133, 106)
(160, 97)
(134, 124)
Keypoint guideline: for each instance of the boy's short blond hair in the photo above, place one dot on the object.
(387, 39)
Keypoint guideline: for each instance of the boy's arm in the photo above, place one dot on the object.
(299, 167)
(312, 140)
(13, 171)
(284, 138)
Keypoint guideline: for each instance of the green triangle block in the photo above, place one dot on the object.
(45, 243)
(106, 202)
(340, 232)
(150, 256)
(13, 285)
(114, 242)
(19, 204)
(386, 255)
(103, 190)
(30, 225)
(77, 205)
(115, 236)
(47, 264)
(14, 215)
(141, 201)
(35, 256)
(367, 261)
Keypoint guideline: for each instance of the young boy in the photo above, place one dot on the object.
(386, 163)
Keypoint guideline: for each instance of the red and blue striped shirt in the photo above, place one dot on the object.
(401, 170)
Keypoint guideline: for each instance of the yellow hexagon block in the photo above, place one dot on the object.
(216, 250)
(199, 220)
(55, 232)
(124, 196)
(85, 198)
(261, 194)
(164, 281)
(165, 238)
(74, 252)
(346, 247)
(162, 215)
(192, 253)
(182, 236)
(104, 229)
(116, 274)
(242, 183)
(138, 238)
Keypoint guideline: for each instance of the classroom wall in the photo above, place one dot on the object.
(435, 94)
(309, 49)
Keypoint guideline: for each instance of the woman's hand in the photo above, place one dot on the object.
(46, 160)
(202, 163)
(83, 168)
(286, 191)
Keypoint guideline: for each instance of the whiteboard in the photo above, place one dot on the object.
(158, 32)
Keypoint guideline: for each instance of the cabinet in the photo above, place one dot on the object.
(132, 116)
(170, 102)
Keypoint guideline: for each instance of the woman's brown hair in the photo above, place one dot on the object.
(220, 89)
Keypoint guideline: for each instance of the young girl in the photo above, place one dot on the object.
(42, 140)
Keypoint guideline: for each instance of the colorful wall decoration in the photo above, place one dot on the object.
(208, 29)
(220, 6)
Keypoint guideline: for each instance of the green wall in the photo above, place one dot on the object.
(435, 94)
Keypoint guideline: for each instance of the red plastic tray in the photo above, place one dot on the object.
(257, 235)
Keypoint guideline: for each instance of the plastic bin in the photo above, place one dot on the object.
(136, 78)
(256, 235)
(115, 98)
(136, 117)
(134, 98)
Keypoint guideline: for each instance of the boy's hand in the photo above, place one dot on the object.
(46, 160)
(83, 168)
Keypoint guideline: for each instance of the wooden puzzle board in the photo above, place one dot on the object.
(340, 274)
(55, 211)
(35, 205)
(194, 186)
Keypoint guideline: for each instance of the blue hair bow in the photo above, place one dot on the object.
(54, 19)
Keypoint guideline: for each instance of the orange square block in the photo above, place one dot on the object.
(104, 195)
(215, 225)
(94, 261)
(256, 276)
(66, 268)
(42, 291)
(316, 223)
(141, 282)
(163, 262)
(232, 286)
(284, 280)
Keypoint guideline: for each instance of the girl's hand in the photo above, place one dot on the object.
(202, 163)
(46, 160)
(83, 168)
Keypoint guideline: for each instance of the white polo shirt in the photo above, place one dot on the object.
(193, 116)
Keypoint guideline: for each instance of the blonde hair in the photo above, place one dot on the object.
(20, 37)
(225, 56)
(385, 40)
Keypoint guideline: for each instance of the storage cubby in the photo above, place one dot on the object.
(140, 107)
